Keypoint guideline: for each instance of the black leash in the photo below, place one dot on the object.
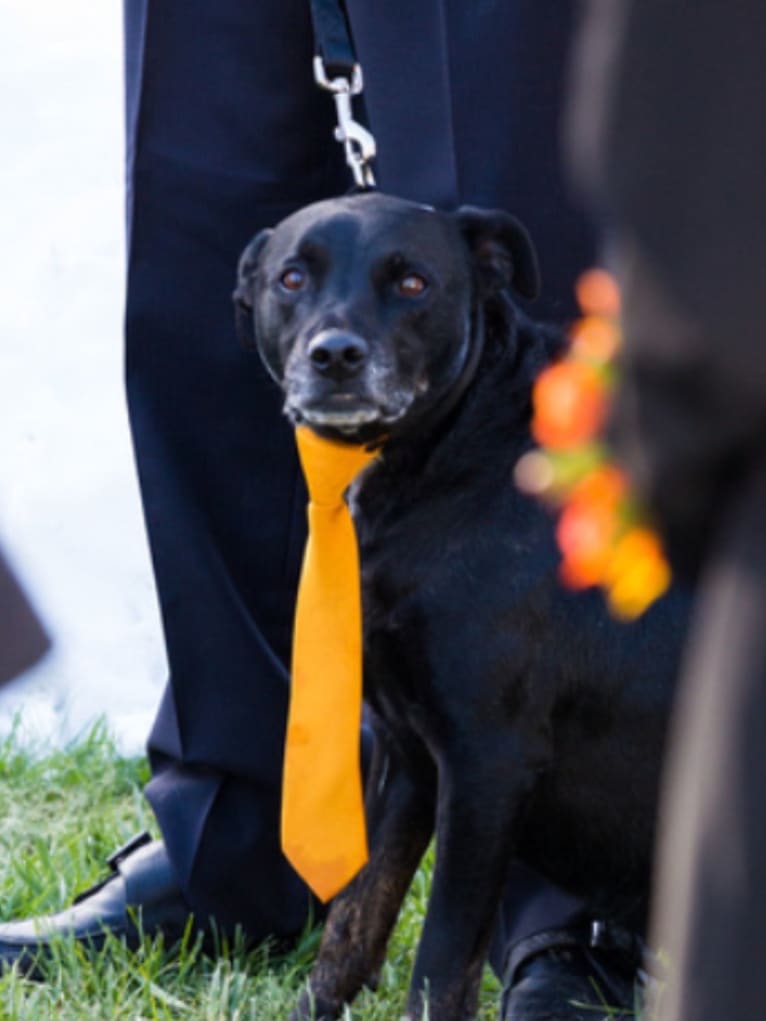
(337, 70)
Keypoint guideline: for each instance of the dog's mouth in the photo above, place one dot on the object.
(343, 411)
(346, 412)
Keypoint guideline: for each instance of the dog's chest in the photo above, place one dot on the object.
(402, 587)
(398, 666)
(430, 560)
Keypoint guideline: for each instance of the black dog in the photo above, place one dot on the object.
(513, 717)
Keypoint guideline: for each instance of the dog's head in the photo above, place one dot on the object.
(364, 309)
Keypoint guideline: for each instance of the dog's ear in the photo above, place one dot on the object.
(243, 292)
(502, 250)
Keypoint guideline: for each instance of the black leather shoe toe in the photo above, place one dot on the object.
(140, 896)
(567, 976)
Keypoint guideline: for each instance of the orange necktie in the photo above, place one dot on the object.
(323, 827)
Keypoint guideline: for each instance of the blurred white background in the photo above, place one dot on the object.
(70, 518)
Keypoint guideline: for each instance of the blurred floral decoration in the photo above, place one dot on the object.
(602, 532)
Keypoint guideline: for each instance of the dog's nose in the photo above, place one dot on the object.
(338, 354)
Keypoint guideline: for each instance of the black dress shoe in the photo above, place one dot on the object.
(140, 896)
(579, 973)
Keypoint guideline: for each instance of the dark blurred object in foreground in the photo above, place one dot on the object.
(670, 136)
(22, 638)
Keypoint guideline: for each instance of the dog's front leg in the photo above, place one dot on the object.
(474, 841)
(400, 818)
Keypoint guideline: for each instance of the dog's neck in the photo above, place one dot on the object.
(493, 391)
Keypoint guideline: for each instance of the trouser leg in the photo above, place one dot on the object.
(226, 134)
(710, 915)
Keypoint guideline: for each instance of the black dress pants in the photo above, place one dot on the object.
(226, 133)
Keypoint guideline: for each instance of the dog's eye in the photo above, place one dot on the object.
(293, 279)
(412, 285)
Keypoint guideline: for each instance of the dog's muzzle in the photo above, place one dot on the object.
(333, 386)
(338, 383)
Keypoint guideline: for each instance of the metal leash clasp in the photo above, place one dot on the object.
(357, 141)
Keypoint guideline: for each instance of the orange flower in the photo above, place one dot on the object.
(585, 532)
(595, 337)
(605, 485)
(597, 293)
(600, 545)
(637, 573)
(569, 405)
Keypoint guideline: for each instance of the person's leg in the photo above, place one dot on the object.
(226, 134)
(709, 911)
(680, 162)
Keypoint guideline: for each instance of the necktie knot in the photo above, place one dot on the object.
(329, 467)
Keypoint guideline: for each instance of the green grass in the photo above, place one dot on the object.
(63, 813)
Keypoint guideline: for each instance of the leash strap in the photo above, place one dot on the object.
(333, 40)
(337, 70)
